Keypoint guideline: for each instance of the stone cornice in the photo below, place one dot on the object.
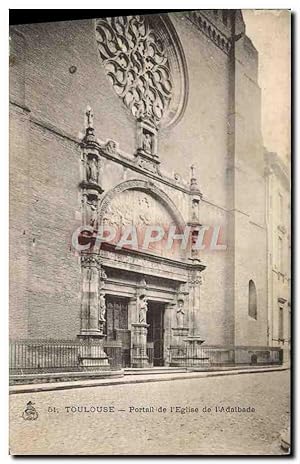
(186, 265)
(19, 105)
(210, 30)
(116, 156)
(127, 162)
(257, 225)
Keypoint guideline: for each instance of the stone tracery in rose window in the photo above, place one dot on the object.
(136, 62)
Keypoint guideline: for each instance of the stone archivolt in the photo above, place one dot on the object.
(137, 64)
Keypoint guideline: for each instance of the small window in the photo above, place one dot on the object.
(252, 300)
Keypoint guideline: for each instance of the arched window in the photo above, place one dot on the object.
(252, 300)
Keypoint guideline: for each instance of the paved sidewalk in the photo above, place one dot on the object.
(136, 378)
(171, 429)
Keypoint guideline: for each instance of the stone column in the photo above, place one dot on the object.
(132, 312)
(180, 329)
(194, 353)
(139, 329)
(179, 334)
(92, 355)
(139, 356)
(168, 323)
(194, 287)
(93, 307)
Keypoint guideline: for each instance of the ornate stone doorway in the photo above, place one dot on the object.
(117, 325)
(155, 335)
(126, 282)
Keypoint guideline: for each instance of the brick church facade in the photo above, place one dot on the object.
(107, 116)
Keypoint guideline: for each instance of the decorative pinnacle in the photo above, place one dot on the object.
(192, 171)
(89, 131)
(89, 118)
(194, 185)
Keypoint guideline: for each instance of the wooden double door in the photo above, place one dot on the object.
(117, 325)
(117, 329)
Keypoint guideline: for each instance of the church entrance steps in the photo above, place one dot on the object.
(235, 368)
(63, 377)
(134, 379)
(153, 370)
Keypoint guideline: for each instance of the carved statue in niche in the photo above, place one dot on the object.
(92, 206)
(93, 294)
(102, 307)
(147, 143)
(195, 210)
(180, 313)
(195, 234)
(143, 308)
(92, 171)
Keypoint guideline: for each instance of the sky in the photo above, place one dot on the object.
(269, 31)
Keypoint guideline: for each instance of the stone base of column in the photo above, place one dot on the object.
(91, 354)
(178, 347)
(139, 356)
(196, 356)
(179, 333)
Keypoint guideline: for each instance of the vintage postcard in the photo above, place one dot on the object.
(150, 174)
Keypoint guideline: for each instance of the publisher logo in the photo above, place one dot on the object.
(30, 413)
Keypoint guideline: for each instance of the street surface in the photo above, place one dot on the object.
(157, 418)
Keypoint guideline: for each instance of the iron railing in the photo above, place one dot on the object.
(150, 353)
(38, 356)
(138, 355)
(195, 355)
(31, 356)
(115, 353)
